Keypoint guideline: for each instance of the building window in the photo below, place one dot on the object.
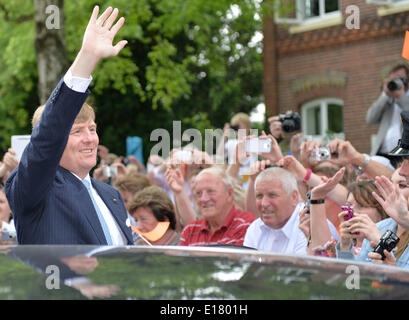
(323, 118)
(306, 11)
(320, 8)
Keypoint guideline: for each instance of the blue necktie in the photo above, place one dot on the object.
(100, 217)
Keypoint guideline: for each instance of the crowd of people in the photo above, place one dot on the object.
(284, 202)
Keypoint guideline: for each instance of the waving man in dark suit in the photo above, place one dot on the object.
(51, 194)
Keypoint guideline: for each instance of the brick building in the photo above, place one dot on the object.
(328, 72)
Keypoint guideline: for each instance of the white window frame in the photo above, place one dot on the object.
(380, 2)
(389, 3)
(301, 17)
(323, 104)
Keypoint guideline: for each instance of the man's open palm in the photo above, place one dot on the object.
(100, 33)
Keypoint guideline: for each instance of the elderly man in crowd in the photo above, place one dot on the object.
(222, 223)
(278, 206)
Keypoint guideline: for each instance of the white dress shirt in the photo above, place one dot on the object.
(289, 239)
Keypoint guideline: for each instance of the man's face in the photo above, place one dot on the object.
(273, 203)
(80, 154)
(276, 129)
(404, 169)
(401, 180)
(212, 197)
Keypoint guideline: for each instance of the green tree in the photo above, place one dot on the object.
(193, 61)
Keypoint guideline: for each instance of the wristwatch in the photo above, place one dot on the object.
(361, 169)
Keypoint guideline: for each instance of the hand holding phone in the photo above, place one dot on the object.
(258, 145)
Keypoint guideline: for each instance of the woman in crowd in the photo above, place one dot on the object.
(394, 194)
(155, 218)
(366, 213)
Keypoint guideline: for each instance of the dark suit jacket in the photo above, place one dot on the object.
(49, 204)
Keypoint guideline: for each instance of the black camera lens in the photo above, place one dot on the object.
(396, 84)
(288, 126)
(393, 86)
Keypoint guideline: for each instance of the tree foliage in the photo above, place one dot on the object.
(192, 61)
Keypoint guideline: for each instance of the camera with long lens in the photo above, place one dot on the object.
(397, 83)
(290, 121)
(388, 241)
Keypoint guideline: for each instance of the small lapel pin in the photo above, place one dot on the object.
(128, 222)
(115, 200)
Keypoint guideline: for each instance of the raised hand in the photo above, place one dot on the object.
(392, 201)
(377, 258)
(174, 179)
(99, 35)
(98, 42)
(304, 224)
(294, 166)
(363, 224)
(345, 234)
(323, 189)
(10, 160)
(257, 167)
(275, 154)
(345, 150)
(305, 152)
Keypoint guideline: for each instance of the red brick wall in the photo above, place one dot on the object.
(362, 58)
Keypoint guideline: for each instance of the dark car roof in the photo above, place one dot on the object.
(172, 272)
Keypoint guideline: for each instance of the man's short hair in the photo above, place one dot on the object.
(288, 181)
(86, 113)
(218, 172)
(401, 66)
(240, 117)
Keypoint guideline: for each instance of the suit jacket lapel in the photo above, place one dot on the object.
(114, 205)
(87, 207)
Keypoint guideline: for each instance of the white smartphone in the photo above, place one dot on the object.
(19, 143)
(258, 145)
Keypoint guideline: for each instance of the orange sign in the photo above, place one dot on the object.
(405, 50)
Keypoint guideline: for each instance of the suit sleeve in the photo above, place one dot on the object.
(29, 182)
(403, 102)
(375, 112)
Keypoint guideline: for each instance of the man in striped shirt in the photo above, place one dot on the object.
(222, 223)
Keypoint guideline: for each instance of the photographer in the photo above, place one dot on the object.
(386, 110)
(285, 123)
